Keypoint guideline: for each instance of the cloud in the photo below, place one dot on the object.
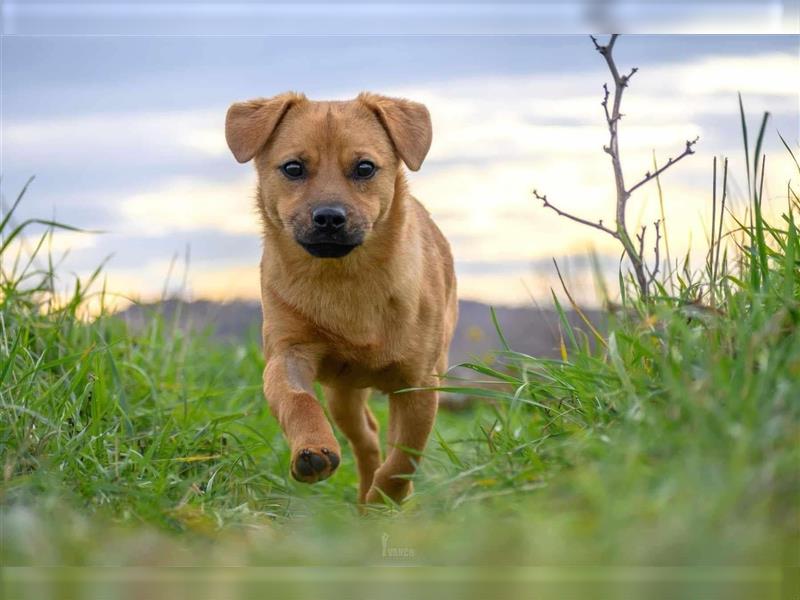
(132, 138)
(187, 204)
(56, 243)
(773, 74)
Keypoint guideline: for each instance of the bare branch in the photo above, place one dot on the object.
(649, 176)
(626, 78)
(619, 80)
(640, 237)
(604, 103)
(608, 47)
(599, 225)
(611, 103)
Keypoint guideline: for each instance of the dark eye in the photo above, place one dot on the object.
(364, 170)
(293, 169)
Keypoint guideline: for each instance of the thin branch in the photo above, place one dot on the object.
(608, 47)
(645, 276)
(604, 104)
(649, 176)
(599, 225)
(606, 51)
(613, 116)
(640, 237)
(627, 78)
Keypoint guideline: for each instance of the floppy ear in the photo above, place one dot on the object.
(248, 125)
(407, 123)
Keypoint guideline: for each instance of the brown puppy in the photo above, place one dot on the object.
(357, 282)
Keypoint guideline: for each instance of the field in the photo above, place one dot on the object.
(659, 460)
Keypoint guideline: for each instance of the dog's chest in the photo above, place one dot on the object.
(374, 348)
(356, 315)
(370, 335)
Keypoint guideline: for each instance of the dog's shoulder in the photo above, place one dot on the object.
(433, 239)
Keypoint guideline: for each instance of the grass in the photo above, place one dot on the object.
(671, 440)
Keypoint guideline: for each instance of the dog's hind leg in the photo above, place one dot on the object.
(288, 387)
(411, 417)
(348, 407)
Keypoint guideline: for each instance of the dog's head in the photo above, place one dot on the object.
(327, 170)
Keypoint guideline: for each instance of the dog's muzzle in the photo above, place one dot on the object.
(329, 235)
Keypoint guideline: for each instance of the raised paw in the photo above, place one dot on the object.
(312, 464)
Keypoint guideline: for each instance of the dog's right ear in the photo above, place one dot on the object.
(248, 125)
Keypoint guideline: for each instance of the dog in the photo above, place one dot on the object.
(358, 289)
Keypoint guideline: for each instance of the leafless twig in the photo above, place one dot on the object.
(640, 237)
(648, 176)
(644, 275)
(599, 225)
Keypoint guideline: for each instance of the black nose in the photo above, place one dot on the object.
(329, 218)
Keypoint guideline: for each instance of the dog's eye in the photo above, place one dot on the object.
(293, 169)
(364, 170)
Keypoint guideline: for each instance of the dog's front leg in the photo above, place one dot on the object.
(288, 387)
(411, 417)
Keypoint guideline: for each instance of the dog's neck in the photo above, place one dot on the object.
(378, 278)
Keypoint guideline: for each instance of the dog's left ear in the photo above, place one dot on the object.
(407, 123)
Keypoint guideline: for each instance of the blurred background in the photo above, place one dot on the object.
(118, 110)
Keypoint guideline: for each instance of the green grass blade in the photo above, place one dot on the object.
(498, 329)
(746, 147)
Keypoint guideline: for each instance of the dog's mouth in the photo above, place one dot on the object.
(328, 249)
(329, 244)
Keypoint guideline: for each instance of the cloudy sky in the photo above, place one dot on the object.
(125, 135)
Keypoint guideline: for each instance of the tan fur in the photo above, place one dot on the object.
(380, 317)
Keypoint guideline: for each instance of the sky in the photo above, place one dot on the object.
(125, 134)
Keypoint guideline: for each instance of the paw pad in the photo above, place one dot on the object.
(312, 465)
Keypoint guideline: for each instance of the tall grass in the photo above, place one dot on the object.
(669, 439)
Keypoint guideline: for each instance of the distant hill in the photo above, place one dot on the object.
(529, 330)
